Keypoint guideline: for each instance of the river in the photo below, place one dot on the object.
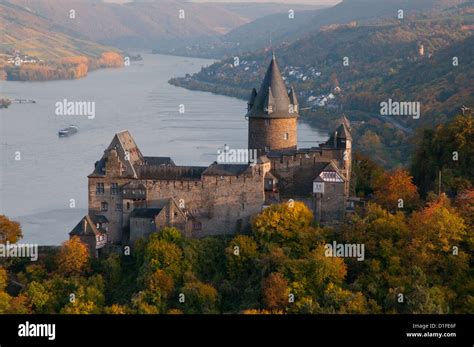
(37, 189)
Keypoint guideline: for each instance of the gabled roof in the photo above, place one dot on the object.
(86, 227)
(330, 173)
(126, 149)
(98, 218)
(272, 99)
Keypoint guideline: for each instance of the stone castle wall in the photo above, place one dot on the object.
(295, 173)
(222, 204)
(275, 134)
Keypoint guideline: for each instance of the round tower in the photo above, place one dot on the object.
(272, 114)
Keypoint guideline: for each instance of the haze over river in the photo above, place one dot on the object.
(36, 190)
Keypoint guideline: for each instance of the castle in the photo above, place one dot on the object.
(131, 195)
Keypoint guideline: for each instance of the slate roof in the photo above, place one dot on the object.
(159, 161)
(86, 227)
(216, 169)
(145, 212)
(170, 172)
(126, 148)
(273, 95)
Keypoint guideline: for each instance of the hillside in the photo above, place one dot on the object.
(47, 54)
(144, 24)
(33, 34)
(385, 61)
(276, 29)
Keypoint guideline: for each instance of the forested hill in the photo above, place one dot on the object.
(276, 29)
(408, 60)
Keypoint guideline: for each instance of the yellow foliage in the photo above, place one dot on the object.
(73, 257)
(282, 221)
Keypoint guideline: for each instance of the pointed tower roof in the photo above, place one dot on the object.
(345, 121)
(252, 98)
(343, 132)
(272, 99)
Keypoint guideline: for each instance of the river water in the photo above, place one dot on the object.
(37, 189)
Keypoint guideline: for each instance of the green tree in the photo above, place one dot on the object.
(199, 298)
(241, 257)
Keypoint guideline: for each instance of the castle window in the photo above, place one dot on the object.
(118, 207)
(286, 136)
(114, 189)
(99, 189)
(267, 122)
(128, 206)
(197, 225)
(267, 149)
(104, 206)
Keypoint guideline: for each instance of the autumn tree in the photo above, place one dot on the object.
(10, 231)
(73, 257)
(275, 291)
(280, 223)
(199, 298)
(396, 190)
(4, 297)
(115, 309)
(158, 287)
(164, 255)
(438, 242)
(38, 296)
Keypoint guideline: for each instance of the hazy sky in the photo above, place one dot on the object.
(309, 2)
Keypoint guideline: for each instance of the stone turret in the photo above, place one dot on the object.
(272, 114)
(341, 140)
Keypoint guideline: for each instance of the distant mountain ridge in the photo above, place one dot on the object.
(276, 29)
(143, 25)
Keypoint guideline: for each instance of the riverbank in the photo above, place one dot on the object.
(18, 69)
